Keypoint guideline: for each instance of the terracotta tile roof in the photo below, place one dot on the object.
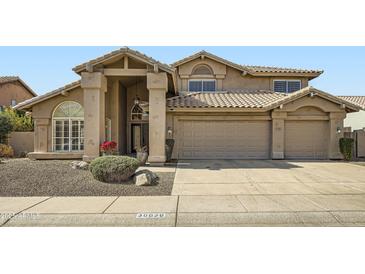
(260, 99)
(124, 50)
(10, 79)
(30, 102)
(225, 99)
(249, 69)
(282, 70)
(358, 100)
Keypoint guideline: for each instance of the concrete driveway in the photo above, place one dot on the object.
(237, 177)
(307, 193)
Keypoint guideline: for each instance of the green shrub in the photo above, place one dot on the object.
(113, 169)
(6, 127)
(20, 120)
(346, 148)
(6, 151)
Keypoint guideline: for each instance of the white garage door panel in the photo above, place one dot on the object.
(224, 140)
(306, 139)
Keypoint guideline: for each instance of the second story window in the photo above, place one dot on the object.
(13, 102)
(202, 85)
(287, 86)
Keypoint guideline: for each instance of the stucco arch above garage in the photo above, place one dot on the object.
(314, 105)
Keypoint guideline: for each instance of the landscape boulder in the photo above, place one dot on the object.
(145, 177)
(80, 165)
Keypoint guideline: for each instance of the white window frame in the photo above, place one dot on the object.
(13, 102)
(69, 119)
(287, 81)
(203, 80)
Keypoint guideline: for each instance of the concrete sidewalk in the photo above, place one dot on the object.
(194, 210)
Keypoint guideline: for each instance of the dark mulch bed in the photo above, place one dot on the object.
(23, 177)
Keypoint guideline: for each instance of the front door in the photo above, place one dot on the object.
(139, 136)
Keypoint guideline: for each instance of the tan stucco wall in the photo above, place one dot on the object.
(228, 78)
(14, 90)
(355, 120)
(21, 142)
(44, 110)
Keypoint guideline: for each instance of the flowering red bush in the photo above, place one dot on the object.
(108, 147)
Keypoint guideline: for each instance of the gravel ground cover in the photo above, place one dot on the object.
(23, 177)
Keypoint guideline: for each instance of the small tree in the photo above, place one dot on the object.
(6, 127)
(346, 148)
(21, 120)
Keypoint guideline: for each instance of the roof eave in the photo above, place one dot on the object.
(310, 75)
(307, 90)
(124, 51)
(28, 104)
(213, 57)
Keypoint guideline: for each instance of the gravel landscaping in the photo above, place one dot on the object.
(23, 177)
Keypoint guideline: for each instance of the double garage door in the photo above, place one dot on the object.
(212, 139)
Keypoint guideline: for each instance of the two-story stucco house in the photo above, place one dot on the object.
(14, 90)
(211, 107)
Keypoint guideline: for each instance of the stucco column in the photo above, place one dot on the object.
(278, 135)
(94, 85)
(115, 112)
(41, 135)
(157, 86)
(335, 132)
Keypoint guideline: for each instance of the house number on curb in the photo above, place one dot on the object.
(150, 215)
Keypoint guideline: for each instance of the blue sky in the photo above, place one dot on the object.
(47, 68)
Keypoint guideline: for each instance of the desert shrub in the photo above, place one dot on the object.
(20, 120)
(6, 127)
(6, 151)
(113, 169)
(346, 148)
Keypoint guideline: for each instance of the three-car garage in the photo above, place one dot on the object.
(244, 139)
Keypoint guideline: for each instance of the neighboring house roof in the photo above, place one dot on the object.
(124, 51)
(30, 102)
(358, 100)
(259, 99)
(10, 79)
(253, 70)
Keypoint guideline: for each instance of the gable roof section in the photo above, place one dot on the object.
(30, 102)
(358, 100)
(10, 79)
(124, 51)
(253, 70)
(211, 56)
(311, 90)
(259, 100)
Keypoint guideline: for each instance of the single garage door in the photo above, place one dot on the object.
(224, 139)
(306, 139)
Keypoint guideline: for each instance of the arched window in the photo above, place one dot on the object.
(140, 111)
(137, 113)
(202, 70)
(68, 127)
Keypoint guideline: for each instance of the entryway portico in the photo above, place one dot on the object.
(111, 90)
